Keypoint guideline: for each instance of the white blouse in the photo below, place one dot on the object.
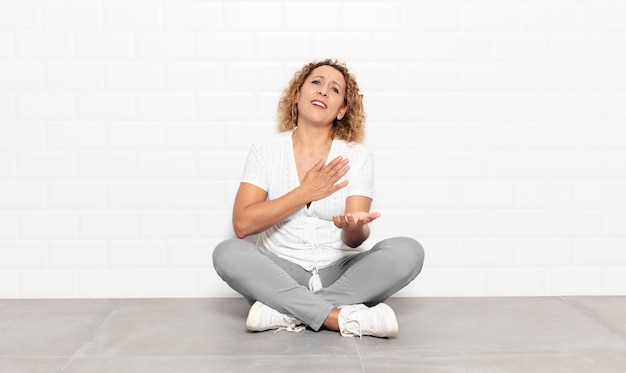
(308, 237)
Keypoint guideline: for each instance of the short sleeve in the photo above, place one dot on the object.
(256, 170)
(361, 173)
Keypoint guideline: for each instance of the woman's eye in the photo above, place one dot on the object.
(335, 90)
(315, 82)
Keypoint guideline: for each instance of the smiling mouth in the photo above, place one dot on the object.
(319, 103)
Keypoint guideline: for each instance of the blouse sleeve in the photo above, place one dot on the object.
(255, 170)
(361, 174)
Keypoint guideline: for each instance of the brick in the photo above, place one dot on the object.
(134, 75)
(8, 225)
(8, 166)
(76, 136)
(168, 283)
(521, 46)
(547, 136)
(22, 195)
(615, 164)
(243, 135)
(616, 108)
(371, 15)
(302, 16)
(603, 15)
(46, 165)
(49, 283)
(424, 136)
(599, 194)
(137, 254)
(520, 106)
(489, 77)
(481, 136)
(48, 225)
(23, 254)
(242, 15)
(617, 46)
(253, 77)
(107, 165)
(458, 281)
(195, 76)
(71, 14)
(516, 223)
(44, 44)
(165, 106)
(271, 45)
(170, 165)
(429, 77)
(384, 47)
(417, 194)
(459, 165)
(45, 105)
(602, 136)
(168, 224)
(550, 76)
(457, 223)
(76, 195)
(487, 194)
(615, 223)
(20, 14)
(6, 44)
(457, 106)
(7, 106)
(483, 252)
(204, 136)
(575, 223)
(615, 280)
(77, 254)
(461, 46)
(602, 77)
(490, 16)
(134, 15)
(136, 135)
(516, 282)
(577, 46)
(197, 195)
(542, 194)
(430, 15)
(225, 106)
(9, 284)
(564, 281)
(544, 252)
(576, 165)
(225, 45)
(595, 251)
(394, 165)
(407, 106)
(215, 224)
(105, 105)
(20, 76)
(135, 195)
(74, 76)
(104, 45)
(22, 136)
(108, 283)
(190, 253)
(165, 45)
(517, 164)
(549, 16)
(192, 15)
(107, 224)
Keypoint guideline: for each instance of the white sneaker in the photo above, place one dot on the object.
(360, 320)
(262, 318)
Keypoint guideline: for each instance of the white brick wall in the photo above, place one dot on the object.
(497, 128)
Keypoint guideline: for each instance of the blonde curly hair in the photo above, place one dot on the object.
(350, 128)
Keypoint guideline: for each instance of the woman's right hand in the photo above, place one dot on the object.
(322, 180)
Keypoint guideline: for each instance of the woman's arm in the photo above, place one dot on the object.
(253, 213)
(354, 221)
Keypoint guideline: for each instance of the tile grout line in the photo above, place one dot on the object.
(90, 336)
(358, 353)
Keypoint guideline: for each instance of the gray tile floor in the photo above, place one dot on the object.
(542, 334)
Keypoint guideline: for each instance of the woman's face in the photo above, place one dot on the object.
(321, 98)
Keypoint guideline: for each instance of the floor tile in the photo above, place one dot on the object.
(502, 325)
(611, 311)
(49, 328)
(32, 365)
(509, 363)
(257, 364)
(200, 327)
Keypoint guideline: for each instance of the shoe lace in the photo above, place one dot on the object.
(291, 328)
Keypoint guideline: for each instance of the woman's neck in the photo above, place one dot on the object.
(312, 140)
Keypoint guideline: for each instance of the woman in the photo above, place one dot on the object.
(307, 193)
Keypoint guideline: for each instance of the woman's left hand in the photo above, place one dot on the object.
(354, 220)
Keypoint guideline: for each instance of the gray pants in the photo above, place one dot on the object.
(369, 277)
